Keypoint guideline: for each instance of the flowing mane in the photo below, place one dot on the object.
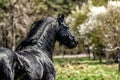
(36, 31)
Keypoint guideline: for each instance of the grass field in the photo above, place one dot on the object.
(85, 69)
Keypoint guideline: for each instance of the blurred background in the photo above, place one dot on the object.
(95, 23)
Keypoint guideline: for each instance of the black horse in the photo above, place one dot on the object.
(33, 57)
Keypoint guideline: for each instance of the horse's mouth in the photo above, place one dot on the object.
(73, 45)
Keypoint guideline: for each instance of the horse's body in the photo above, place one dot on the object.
(33, 57)
(36, 65)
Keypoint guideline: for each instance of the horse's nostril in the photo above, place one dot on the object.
(77, 42)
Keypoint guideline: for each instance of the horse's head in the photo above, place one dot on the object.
(64, 35)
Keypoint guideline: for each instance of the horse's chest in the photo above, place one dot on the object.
(33, 68)
(37, 68)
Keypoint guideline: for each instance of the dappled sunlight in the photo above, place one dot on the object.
(84, 71)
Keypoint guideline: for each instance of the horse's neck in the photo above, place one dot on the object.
(45, 43)
(47, 40)
(42, 38)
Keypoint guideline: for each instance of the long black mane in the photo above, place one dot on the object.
(36, 31)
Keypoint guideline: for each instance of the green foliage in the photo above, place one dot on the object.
(85, 69)
(63, 6)
(96, 38)
(79, 20)
(99, 2)
(3, 3)
(3, 8)
(108, 25)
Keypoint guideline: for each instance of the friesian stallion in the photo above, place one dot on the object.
(32, 59)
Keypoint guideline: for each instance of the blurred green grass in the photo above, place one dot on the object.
(85, 69)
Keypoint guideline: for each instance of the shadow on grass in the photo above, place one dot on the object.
(78, 61)
(90, 63)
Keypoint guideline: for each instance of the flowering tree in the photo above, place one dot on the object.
(108, 26)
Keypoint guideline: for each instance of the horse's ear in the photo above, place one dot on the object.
(60, 18)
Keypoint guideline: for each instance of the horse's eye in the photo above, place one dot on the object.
(66, 27)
